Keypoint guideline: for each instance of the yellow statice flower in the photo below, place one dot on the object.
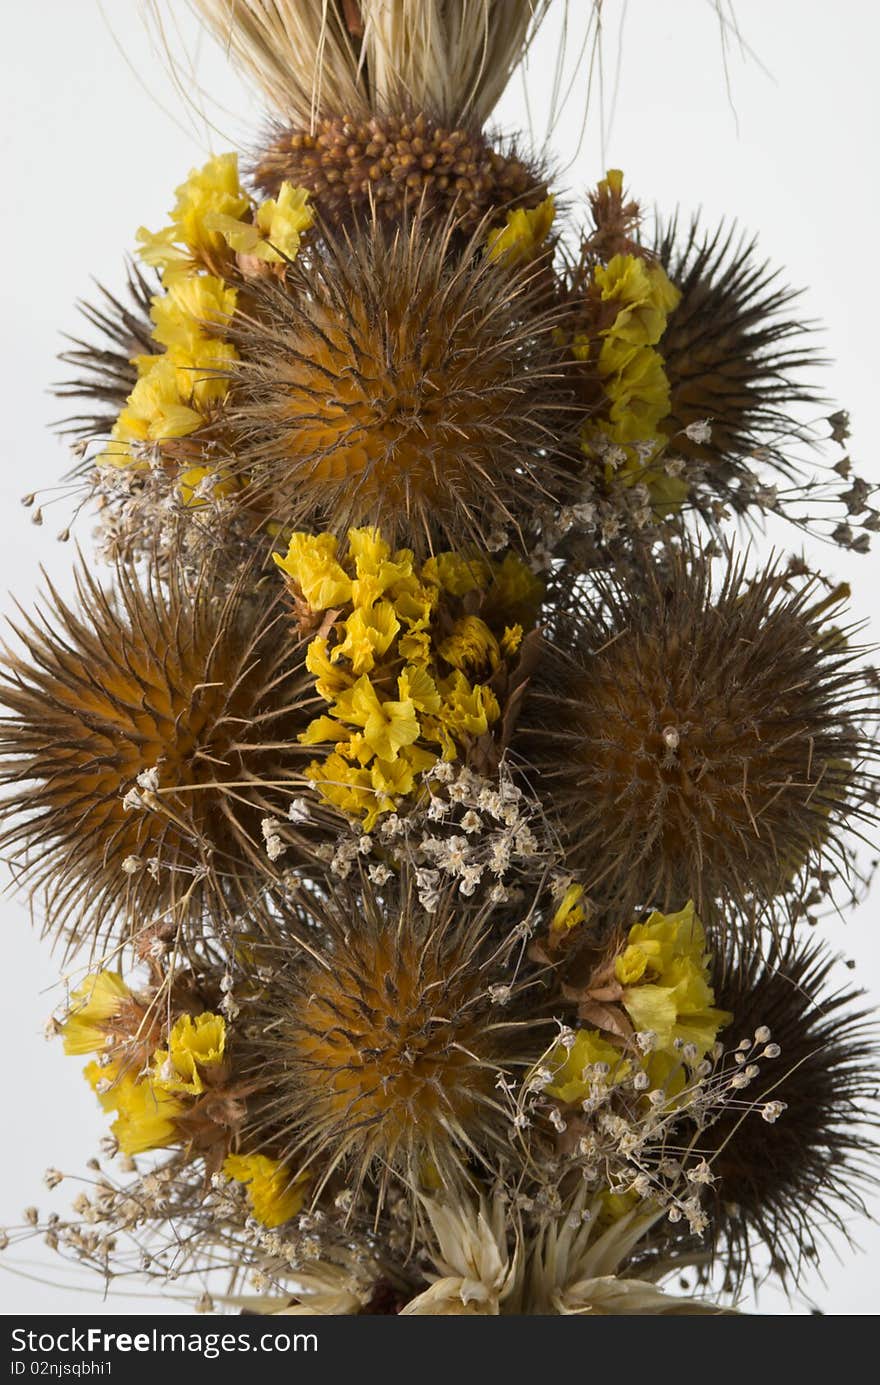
(399, 695)
(188, 242)
(523, 233)
(191, 486)
(465, 710)
(515, 593)
(274, 233)
(92, 1004)
(157, 411)
(194, 309)
(457, 573)
(146, 1116)
(633, 375)
(664, 970)
(645, 297)
(273, 1193)
(311, 563)
(368, 634)
(471, 647)
(570, 913)
(193, 1044)
(574, 1067)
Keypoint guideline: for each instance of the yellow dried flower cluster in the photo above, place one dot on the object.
(523, 235)
(632, 374)
(404, 660)
(151, 1102)
(662, 973)
(179, 387)
(147, 1098)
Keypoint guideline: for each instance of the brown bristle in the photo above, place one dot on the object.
(789, 1185)
(381, 1053)
(201, 686)
(386, 386)
(733, 355)
(700, 744)
(106, 374)
(398, 164)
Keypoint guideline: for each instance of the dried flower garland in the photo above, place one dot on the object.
(431, 796)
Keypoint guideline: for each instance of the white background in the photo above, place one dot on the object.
(94, 139)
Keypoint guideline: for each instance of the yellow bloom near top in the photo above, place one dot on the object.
(193, 1044)
(97, 1000)
(523, 233)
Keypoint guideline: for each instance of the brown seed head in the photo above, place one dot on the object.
(397, 165)
(387, 385)
(143, 733)
(381, 1054)
(700, 744)
(790, 1182)
(734, 355)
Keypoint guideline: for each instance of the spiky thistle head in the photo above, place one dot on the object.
(396, 165)
(146, 736)
(794, 1165)
(387, 385)
(378, 1053)
(701, 740)
(735, 352)
(106, 373)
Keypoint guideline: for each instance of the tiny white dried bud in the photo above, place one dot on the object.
(772, 1111)
(499, 994)
(701, 1173)
(699, 432)
(52, 1177)
(131, 865)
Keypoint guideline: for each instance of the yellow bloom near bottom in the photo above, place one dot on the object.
(573, 1068)
(146, 1116)
(273, 1193)
(665, 974)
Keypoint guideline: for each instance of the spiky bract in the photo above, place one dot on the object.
(106, 373)
(792, 1183)
(379, 1054)
(389, 386)
(145, 738)
(734, 351)
(697, 743)
(398, 165)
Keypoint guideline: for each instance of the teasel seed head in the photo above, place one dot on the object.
(378, 1055)
(735, 352)
(396, 165)
(701, 740)
(385, 385)
(146, 736)
(793, 1169)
